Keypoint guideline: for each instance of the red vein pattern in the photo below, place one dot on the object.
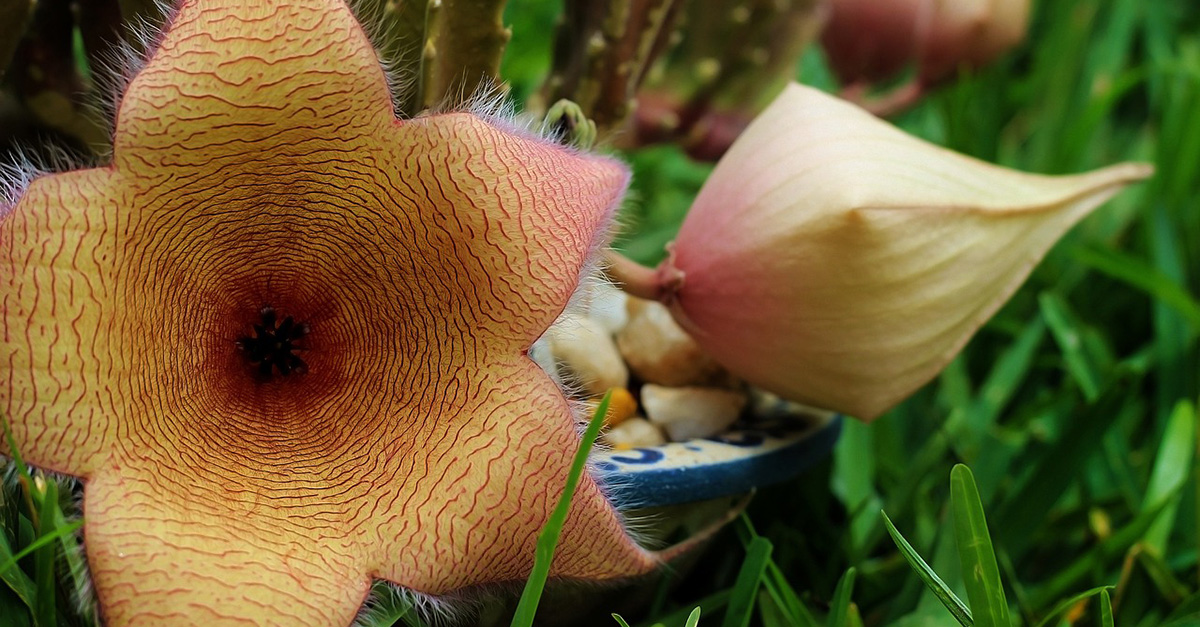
(257, 163)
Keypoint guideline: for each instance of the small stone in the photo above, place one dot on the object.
(587, 354)
(621, 407)
(692, 412)
(607, 305)
(659, 351)
(634, 433)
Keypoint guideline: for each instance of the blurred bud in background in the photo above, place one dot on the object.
(868, 42)
(727, 61)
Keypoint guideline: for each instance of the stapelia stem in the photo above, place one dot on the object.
(659, 284)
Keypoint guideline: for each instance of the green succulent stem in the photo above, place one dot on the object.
(602, 53)
(464, 42)
(567, 120)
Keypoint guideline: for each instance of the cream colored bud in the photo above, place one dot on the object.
(837, 261)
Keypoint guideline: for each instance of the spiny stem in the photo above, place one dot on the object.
(603, 51)
(464, 41)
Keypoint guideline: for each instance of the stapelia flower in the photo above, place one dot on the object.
(282, 335)
(834, 260)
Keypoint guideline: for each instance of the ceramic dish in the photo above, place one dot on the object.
(755, 453)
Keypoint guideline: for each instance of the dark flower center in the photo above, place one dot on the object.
(273, 344)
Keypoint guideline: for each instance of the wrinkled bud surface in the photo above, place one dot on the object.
(282, 336)
(837, 261)
(871, 41)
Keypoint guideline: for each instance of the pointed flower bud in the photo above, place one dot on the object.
(834, 260)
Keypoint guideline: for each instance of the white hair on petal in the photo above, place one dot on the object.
(456, 608)
(24, 164)
(401, 80)
(16, 173)
(121, 61)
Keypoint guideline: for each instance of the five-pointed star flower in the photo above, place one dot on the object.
(282, 335)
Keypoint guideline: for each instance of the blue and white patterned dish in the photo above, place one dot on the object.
(757, 452)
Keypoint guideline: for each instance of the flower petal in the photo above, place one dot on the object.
(835, 260)
(230, 73)
(483, 489)
(517, 217)
(259, 177)
(170, 555)
(56, 250)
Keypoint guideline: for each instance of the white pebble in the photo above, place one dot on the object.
(633, 433)
(659, 351)
(692, 412)
(587, 354)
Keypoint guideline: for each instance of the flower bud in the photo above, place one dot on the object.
(871, 41)
(836, 261)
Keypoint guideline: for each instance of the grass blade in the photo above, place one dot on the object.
(932, 581)
(1049, 471)
(981, 574)
(693, 619)
(709, 604)
(839, 607)
(548, 538)
(42, 541)
(1172, 467)
(1109, 549)
(46, 611)
(777, 587)
(1068, 604)
(854, 483)
(1064, 326)
(1106, 613)
(745, 588)
(72, 553)
(621, 621)
(12, 448)
(786, 598)
(1139, 274)
(15, 578)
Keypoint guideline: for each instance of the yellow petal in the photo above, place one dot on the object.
(55, 355)
(164, 554)
(476, 493)
(835, 260)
